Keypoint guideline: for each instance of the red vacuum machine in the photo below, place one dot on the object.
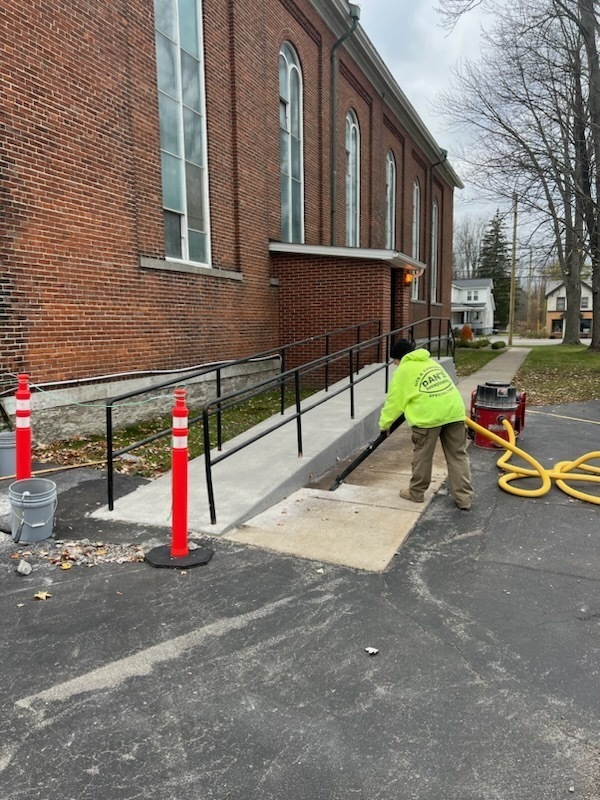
(492, 402)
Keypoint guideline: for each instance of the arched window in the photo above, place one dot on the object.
(352, 180)
(390, 201)
(434, 266)
(181, 107)
(416, 234)
(291, 145)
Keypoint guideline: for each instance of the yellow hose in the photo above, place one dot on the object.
(561, 473)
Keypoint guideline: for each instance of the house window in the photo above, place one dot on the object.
(352, 180)
(390, 201)
(435, 216)
(472, 295)
(416, 234)
(291, 145)
(560, 303)
(181, 105)
(584, 302)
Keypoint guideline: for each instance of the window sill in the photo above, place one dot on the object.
(190, 268)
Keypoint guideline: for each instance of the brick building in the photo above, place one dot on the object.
(194, 180)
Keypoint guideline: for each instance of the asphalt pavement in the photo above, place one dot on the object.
(249, 677)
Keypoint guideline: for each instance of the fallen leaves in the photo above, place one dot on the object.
(83, 553)
(42, 596)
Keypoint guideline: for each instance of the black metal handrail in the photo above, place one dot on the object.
(216, 368)
(352, 353)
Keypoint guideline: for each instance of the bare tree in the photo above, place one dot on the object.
(523, 106)
(451, 11)
(534, 105)
(468, 233)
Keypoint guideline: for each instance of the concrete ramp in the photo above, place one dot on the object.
(268, 470)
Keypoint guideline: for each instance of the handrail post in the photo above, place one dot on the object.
(429, 333)
(298, 411)
(109, 457)
(209, 481)
(378, 341)
(439, 337)
(351, 354)
(358, 349)
(219, 413)
(282, 387)
(327, 363)
(387, 363)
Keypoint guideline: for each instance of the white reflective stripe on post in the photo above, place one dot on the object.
(23, 405)
(180, 422)
(180, 442)
(23, 422)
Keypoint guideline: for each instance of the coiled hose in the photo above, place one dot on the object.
(561, 473)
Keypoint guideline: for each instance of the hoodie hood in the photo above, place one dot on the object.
(417, 355)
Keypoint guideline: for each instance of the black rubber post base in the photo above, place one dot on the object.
(161, 557)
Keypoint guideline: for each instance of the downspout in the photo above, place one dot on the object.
(444, 156)
(355, 16)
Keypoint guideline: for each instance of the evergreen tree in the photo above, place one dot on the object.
(494, 262)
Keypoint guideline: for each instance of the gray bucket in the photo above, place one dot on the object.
(8, 454)
(33, 502)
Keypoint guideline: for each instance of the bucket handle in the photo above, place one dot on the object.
(22, 520)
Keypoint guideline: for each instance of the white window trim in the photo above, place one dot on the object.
(291, 67)
(416, 235)
(434, 267)
(353, 214)
(185, 260)
(390, 201)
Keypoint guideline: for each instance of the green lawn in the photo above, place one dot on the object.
(155, 458)
(558, 374)
(468, 360)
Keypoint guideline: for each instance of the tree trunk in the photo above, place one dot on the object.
(588, 30)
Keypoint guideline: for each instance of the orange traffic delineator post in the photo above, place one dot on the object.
(23, 428)
(178, 555)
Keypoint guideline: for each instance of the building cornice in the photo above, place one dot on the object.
(335, 14)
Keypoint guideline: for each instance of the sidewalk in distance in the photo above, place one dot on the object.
(363, 522)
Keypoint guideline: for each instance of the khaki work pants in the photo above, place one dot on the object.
(453, 437)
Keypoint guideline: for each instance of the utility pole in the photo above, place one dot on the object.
(529, 297)
(513, 269)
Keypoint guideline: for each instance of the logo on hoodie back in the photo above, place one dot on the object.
(435, 380)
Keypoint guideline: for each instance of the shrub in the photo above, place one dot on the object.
(498, 345)
(481, 343)
(466, 333)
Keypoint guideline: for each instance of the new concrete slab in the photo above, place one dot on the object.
(359, 529)
(361, 524)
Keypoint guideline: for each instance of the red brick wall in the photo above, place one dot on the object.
(80, 190)
(318, 294)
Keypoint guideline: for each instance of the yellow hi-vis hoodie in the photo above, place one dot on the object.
(422, 390)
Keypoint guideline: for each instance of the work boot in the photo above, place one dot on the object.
(406, 495)
(463, 508)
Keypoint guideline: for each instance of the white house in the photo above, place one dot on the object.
(556, 305)
(473, 304)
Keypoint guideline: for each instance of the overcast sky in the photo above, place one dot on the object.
(419, 53)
